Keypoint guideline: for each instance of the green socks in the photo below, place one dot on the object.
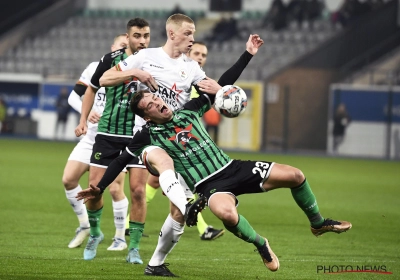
(244, 231)
(94, 221)
(306, 200)
(135, 233)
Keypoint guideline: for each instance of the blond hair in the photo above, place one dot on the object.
(178, 19)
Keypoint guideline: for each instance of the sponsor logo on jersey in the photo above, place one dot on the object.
(169, 95)
(130, 87)
(116, 53)
(183, 136)
(124, 62)
(183, 74)
(153, 65)
(157, 128)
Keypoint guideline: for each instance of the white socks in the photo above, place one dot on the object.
(170, 233)
(78, 206)
(173, 189)
(120, 209)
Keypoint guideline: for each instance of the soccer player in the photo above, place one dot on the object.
(175, 74)
(79, 161)
(198, 52)
(207, 170)
(175, 87)
(114, 133)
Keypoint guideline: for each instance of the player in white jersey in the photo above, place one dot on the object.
(174, 74)
(79, 160)
(198, 53)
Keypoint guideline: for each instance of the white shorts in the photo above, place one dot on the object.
(189, 194)
(82, 151)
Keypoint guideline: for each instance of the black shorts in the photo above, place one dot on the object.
(107, 148)
(239, 177)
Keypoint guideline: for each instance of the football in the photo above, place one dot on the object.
(230, 101)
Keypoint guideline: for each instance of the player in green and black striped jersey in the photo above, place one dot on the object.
(213, 174)
(115, 130)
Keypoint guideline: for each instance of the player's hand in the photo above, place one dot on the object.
(254, 43)
(209, 85)
(147, 79)
(94, 117)
(81, 129)
(90, 193)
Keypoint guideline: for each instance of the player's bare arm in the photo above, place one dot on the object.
(87, 105)
(94, 117)
(113, 77)
(254, 43)
(209, 85)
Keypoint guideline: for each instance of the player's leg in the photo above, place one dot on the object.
(120, 209)
(170, 234)
(152, 187)
(285, 176)
(73, 171)
(95, 210)
(137, 183)
(207, 232)
(158, 160)
(223, 206)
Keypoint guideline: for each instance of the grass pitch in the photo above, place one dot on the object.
(36, 224)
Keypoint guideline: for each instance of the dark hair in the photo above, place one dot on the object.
(198, 43)
(138, 22)
(134, 106)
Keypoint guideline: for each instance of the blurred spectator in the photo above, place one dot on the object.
(351, 10)
(275, 16)
(212, 119)
(63, 109)
(340, 122)
(224, 30)
(3, 113)
(177, 10)
(304, 11)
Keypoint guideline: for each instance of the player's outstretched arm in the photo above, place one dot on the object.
(209, 85)
(90, 193)
(113, 170)
(254, 43)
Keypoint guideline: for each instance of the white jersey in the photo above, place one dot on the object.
(174, 77)
(99, 99)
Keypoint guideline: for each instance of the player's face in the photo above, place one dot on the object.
(155, 108)
(119, 43)
(184, 37)
(138, 38)
(199, 53)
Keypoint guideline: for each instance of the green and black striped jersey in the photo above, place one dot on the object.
(117, 119)
(196, 157)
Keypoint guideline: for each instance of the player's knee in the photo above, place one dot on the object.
(69, 183)
(297, 176)
(115, 190)
(228, 216)
(138, 193)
